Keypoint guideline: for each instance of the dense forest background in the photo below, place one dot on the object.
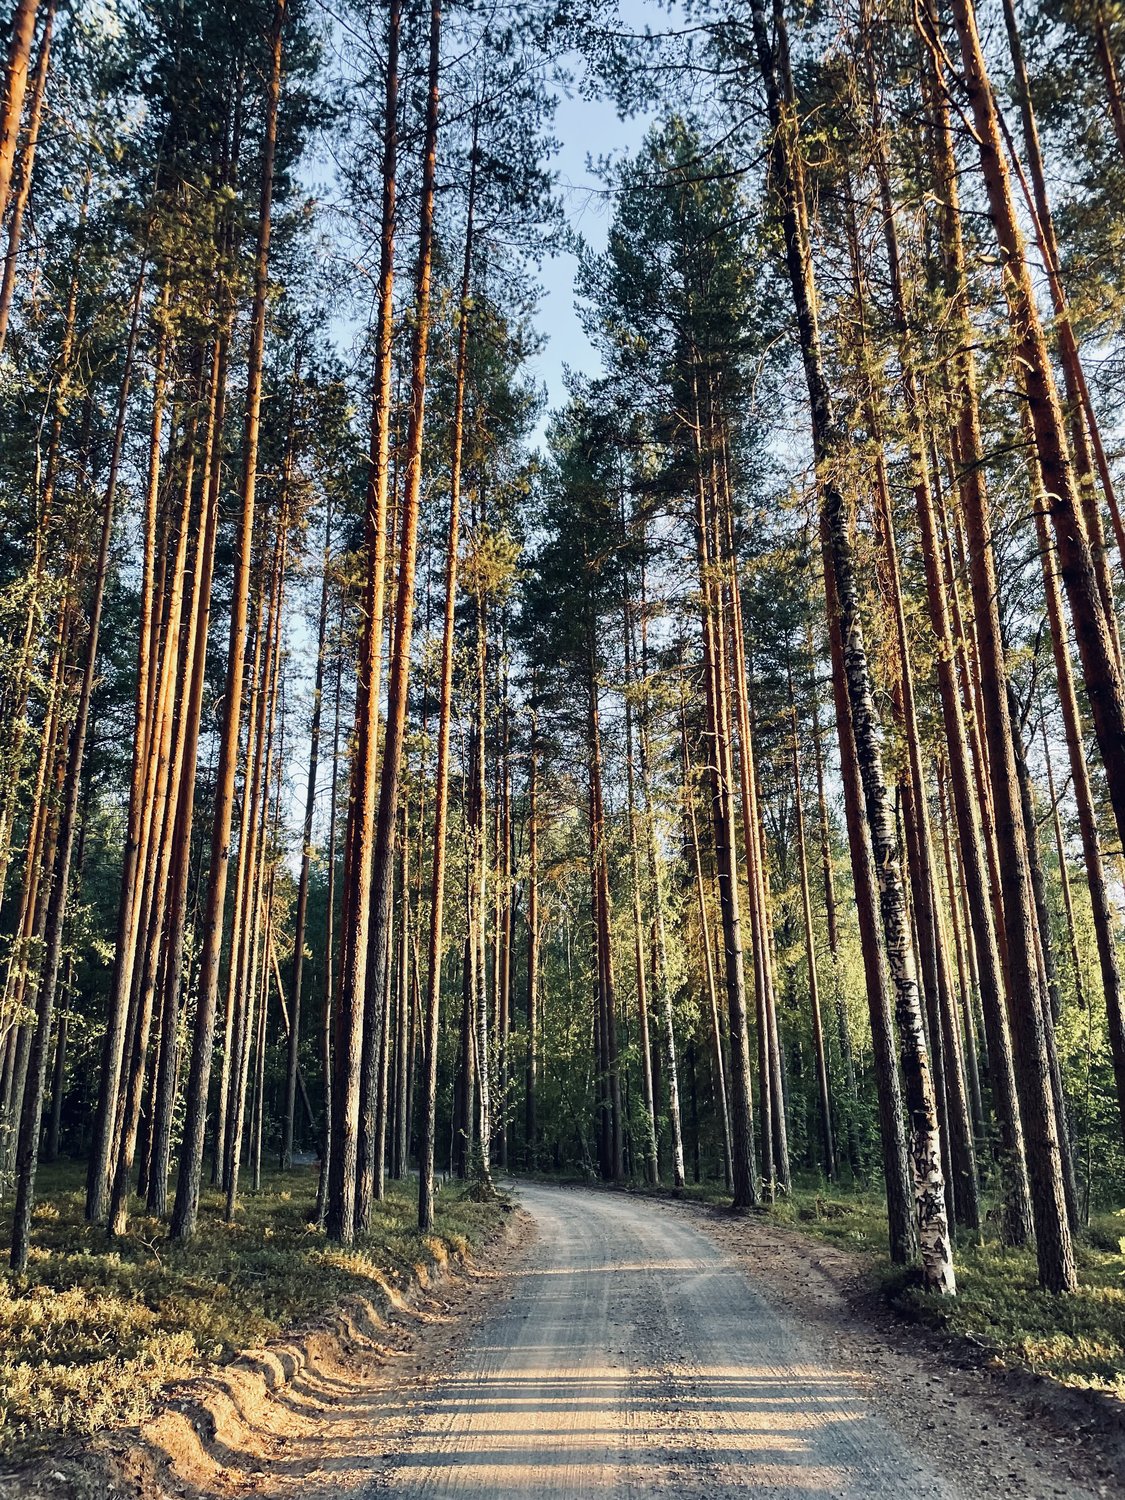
(719, 777)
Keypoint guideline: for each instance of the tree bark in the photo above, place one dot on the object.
(829, 443)
(651, 1161)
(26, 171)
(1054, 1248)
(327, 1007)
(21, 34)
(1104, 686)
(168, 1070)
(827, 1144)
(771, 1092)
(427, 1138)
(718, 1066)
(32, 1107)
(743, 1164)
(382, 859)
(186, 1210)
(531, 1128)
(355, 937)
(656, 867)
(613, 1165)
(301, 916)
(982, 884)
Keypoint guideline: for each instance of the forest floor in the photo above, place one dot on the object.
(611, 1344)
(98, 1327)
(600, 1342)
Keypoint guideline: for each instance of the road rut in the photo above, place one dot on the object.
(634, 1358)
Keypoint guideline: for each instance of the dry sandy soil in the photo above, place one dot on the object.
(620, 1346)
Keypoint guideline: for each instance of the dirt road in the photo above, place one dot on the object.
(609, 1345)
(634, 1358)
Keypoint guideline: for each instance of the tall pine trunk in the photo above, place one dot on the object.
(1094, 634)
(531, 1124)
(301, 916)
(26, 172)
(829, 442)
(432, 1020)
(21, 35)
(1054, 1248)
(382, 873)
(27, 1161)
(359, 849)
(186, 1209)
(827, 1143)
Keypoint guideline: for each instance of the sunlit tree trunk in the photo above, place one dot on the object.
(244, 910)
(382, 860)
(979, 860)
(531, 1128)
(775, 1159)
(432, 1022)
(26, 171)
(1054, 1247)
(403, 1076)
(829, 443)
(843, 1029)
(260, 862)
(355, 940)
(32, 1105)
(186, 1210)
(327, 1015)
(651, 1161)
(21, 35)
(1095, 637)
(656, 870)
(168, 1069)
(719, 759)
(16, 716)
(504, 932)
(946, 1053)
(613, 1164)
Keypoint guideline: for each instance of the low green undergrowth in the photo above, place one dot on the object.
(1078, 1340)
(94, 1329)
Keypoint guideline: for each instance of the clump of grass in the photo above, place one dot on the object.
(1078, 1340)
(96, 1327)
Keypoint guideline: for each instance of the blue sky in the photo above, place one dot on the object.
(586, 129)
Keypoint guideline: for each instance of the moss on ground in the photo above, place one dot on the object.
(95, 1328)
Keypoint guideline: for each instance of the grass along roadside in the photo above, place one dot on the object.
(1078, 1340)
(96, 1327)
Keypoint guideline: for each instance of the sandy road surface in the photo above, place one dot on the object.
(634, 1358)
